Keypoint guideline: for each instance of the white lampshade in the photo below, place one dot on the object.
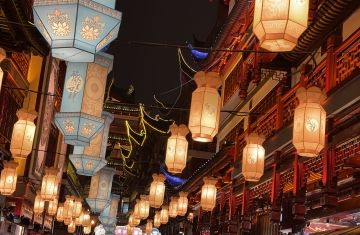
(309, 122)
(173, 207)
(50, 184)
(38, 204)
(279, 23)
(157, 191)
(144, 207)
(71, 227)
(130, 229)
(176, 149)
(121, 230)
(164, 215)
(77, 207)
(253, 158)
(208, 194)
(53, 206)
(182, 204)
(109, 214)
(157, 222)
(59, 213)
(205, 107)
(8, 178)
(149, 226)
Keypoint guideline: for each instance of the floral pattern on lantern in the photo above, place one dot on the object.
(205, 107)
(208, 194)
(157, 191)
(279, 23)
(164, 215)
(309, 122)
(100, 189)
(176, 149)
(182, 204)
(253, 158)
(71, 227)
(8, 178)
(157, 221)
(60, 212)
(173, 207)
(149, 226)
(90, 159)
(144, 207)
(49, 184)
(23, 134)
(39, 204)
(53, 206)
(76, 30)
(108, 215)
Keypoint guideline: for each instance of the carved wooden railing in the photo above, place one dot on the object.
(266, 124)
(22, 61)
(232, 83)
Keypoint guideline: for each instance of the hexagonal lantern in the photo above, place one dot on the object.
(77, 29)
(90, 159)
(79, 118)
(108, 215)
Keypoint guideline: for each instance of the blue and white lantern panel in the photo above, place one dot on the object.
(90, 159)
(100, 189)
(79, 118)
(108, 215)
(77, 29)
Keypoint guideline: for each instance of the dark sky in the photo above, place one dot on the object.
(153, 70)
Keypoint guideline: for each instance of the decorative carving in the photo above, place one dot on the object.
(59, 23)
(92, 27)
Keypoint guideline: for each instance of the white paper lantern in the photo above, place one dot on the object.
(164, 215)
(38, 204)
(157, 222)
(86, 219)
(144, 207)
(132, 220)
(182, 204)
(173, 207)
(309, 122)
(8, 178)
(68, 208)
(253, 158)
(50, 184)
(79, 220)
(59, 213)
(176, 149)
(77, 207)
(136, 213)
(205, 107)
(208, 194)
(157, 191)
(53, 206)
(109, 214)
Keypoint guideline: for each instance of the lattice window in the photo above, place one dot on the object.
(232, 82)
(261, 190)
(230, 137)
(345, 150)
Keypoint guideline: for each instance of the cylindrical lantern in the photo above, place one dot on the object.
(182, 204)
(132, 220)
(38, 204)
(100, 189)
(59, 213)
(205, 107)
(164, 215)
(253, 158)
(71, 227)
(176, 149)
(278, 24)
(68, 207)
(136, 213)
(50, 184)
(309, 122)
(86, 219)
(149, 226)
(90, 159)
(87, 230)
(8, 178)
(53, 206)
(130, 229)
(157, 221)
(109, 214)
(144, 207)
(157, 191)
(23, 134)
(77, 208)
(173, 207)
(208, 194)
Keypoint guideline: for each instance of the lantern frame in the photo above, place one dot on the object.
(208, 194)
(50, 184)
(157, 191)
(132, 221)
(183, 202)
(68, 207)
(77, 207)
(8, 178)
(253, 162)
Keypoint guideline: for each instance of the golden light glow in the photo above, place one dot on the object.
(173, 207)
(38, 204)
(53, 206)
(130, 229)
(144, 207)
(208, 194)
(50, 184)
(71, 227)
(68, 208)
(133, 221)
(164, 215)
(8, 178)
(59, 213)
(149, 226)
(67, 220)
(253, 158)
(86, 219)
(77, 207)
(309, 122)
(176, 149)
(79, 220)
(136, 213)
(87, 230)
(182, 204)
(157, 191)
(205, 107)
(279, 23)
(157, 221)
(23, 134)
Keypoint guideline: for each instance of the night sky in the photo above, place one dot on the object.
(153, 70)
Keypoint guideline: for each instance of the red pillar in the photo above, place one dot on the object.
(275, 190)
(332, 43)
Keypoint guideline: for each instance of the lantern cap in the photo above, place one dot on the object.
(254, 138)
(182, 129)
(11, 164)
(183, 194)
(159, 177)
(210, 180)
(311, 95)
(208, 79)
(25, 114)
(51, 171)
(144, 197)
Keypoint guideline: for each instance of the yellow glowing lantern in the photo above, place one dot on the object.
(149, 226)
(279, 23)
(173, 207)
(157, 191)
(132, 220)
(23, 134)
(77, 207)
(157, 221)
(136, 213)
(182, 204)
(205, 107)
(176, 149)
(71, 227)
(144, 207)
(49, 184)
(130, 229)
(68, 207)
(309, 122)
(86, 219)
(39, 204)
(53, 206)
(87, 230)
(208, 194)
(8, 178)
(59, 213)
(164, 215)
(253, 158)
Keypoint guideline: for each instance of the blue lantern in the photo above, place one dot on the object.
(79, 118)
(77, 29)
(108, 215)
(90, 159)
